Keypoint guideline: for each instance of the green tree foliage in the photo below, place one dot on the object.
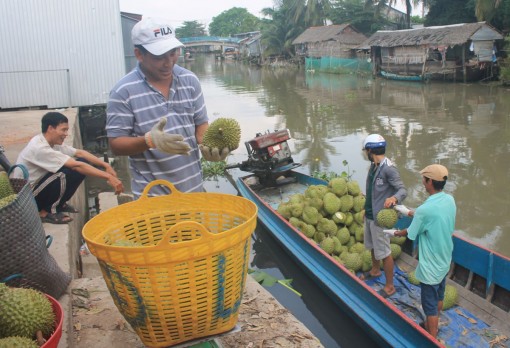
(445, 12)
(234, 21)
(280, 29)
(365, 18)
(417, 20)
(486, 9)
(309, 12)
(190, 29)
(501, 19)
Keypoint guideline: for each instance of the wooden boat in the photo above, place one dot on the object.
(480, 276)
(399, 77)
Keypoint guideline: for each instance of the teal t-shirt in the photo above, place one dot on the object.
(434, 223)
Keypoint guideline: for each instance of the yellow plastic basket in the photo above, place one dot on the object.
(184, 276)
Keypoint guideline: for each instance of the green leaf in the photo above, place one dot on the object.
(265, 279)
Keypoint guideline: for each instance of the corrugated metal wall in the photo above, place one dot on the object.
(59, 53)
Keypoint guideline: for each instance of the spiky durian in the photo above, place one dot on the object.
(18, 342)
(223, 132)
(24, 312)
(7, 200)
(387, 218)
(450, 296)
(5, 186)
(353, 188)
(338, 186)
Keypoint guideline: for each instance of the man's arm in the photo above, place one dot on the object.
(94, 161)
(128, 146)
(88, 170)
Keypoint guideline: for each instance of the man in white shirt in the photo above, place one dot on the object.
(57, 170)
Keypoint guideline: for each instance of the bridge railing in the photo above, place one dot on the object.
(233, 40)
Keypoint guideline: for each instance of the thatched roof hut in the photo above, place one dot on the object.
(330, 40)
(447, 35)
(448, 52)
(342, 33)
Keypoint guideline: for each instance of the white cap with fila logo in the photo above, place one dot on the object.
(156, 35)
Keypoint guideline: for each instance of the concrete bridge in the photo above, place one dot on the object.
(211, 43)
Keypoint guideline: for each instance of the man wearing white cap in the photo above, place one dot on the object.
(157, 116)
(434, 223)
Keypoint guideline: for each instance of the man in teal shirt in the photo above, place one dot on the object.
(434, 223)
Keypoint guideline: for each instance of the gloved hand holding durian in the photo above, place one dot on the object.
(222, 137)
(170, 143)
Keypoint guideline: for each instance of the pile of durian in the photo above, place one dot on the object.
(24, 313)
(333, 216)
(7, 194)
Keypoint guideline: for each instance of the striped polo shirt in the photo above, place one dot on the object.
(134, 107)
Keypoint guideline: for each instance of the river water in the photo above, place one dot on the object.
(465, 127)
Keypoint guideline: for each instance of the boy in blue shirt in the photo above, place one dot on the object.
(434, 223)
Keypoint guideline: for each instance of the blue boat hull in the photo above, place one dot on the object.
(383, 321)
(392, 76)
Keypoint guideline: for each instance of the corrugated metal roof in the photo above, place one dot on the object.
(449, 35)
(70, 53)
(343, 33)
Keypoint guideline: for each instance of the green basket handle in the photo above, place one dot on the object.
(168, 184)
(23, 169)
(165, 241)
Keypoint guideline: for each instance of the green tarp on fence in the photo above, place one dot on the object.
(338, 65)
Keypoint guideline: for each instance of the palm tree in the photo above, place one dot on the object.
(379, 4)
(486, 9)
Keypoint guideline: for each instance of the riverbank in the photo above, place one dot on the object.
(90, 317)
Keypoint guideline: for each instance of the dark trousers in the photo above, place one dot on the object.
(53, 190)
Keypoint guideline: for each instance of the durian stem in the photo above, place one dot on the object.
(40, 338)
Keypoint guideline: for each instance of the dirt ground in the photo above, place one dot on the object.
(263, 321)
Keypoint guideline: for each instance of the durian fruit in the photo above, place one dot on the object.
(223, 132)
(396, 250)
(5, 186)
(24, 312)
(338, 186)
(358, 203)
(331, 203)
(7, 200)
(328, 245)
(398, 240)
(126, 243)
(411, 277)
(343, 235)
(366, 257)
(450, 296)
(353, 188)
(387, 218)
(353, 261)
(18, 342)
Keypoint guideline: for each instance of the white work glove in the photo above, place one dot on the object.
(214, 154)
(169, 143)
(402, 209)
(391, 232)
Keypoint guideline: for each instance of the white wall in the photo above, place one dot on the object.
(59, 53)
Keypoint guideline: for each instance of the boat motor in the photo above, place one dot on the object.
(269, 158)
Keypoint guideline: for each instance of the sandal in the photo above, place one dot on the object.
(57, 219)
(367, 276)
(67, 208)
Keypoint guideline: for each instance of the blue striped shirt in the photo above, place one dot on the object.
(134, 107)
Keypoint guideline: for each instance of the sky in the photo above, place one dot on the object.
(190, 10)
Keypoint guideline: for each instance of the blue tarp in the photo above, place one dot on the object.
(457, 326)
